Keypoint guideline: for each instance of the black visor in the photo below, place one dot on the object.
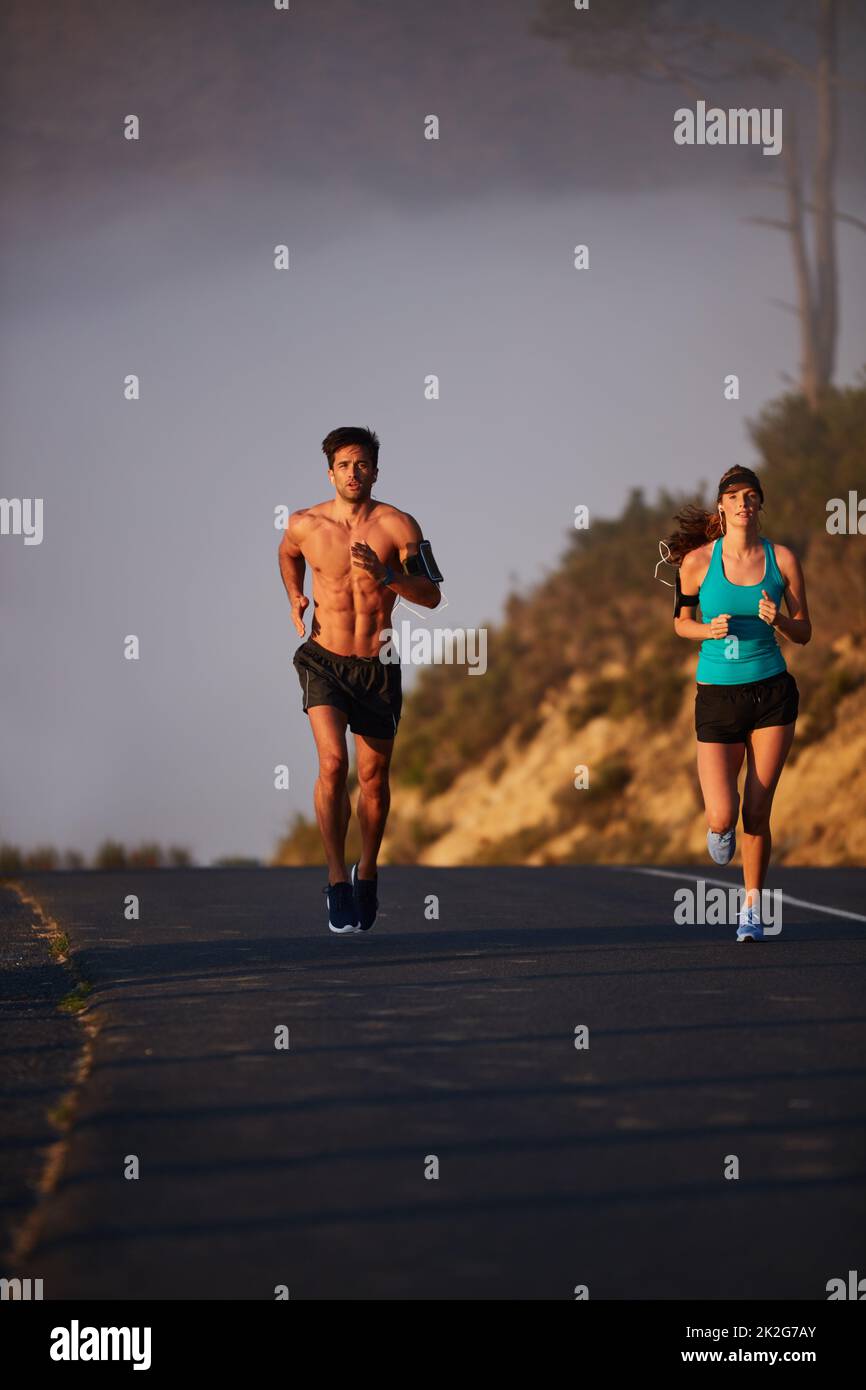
(741, 480)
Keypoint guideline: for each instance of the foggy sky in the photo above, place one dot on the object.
(408, 257)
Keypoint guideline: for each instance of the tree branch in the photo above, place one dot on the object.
(787, 61)
(671, 73)
(783, 304)
(770, 222)
(807, 207)
(840, 217)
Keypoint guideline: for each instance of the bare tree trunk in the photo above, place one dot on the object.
(826, 288)
(810, 370)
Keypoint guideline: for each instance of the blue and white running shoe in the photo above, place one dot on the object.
(722, 846)
(750, 928)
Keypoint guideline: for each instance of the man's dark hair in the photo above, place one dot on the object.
(351, 434)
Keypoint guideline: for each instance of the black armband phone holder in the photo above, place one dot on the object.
(423, 563)
(682, 600)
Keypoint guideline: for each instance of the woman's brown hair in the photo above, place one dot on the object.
(697, 526)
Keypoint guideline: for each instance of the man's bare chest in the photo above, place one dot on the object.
(328, 549)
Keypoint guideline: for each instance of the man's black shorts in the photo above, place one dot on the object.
(726, 713)
(366, 689)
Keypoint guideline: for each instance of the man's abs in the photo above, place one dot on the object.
(351, 629)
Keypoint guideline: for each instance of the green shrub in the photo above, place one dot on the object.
(146, 856)
(41, 858)
(110, 855)
(819, 700)
(10, 860)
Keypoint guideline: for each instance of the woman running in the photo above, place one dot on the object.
(747, 700)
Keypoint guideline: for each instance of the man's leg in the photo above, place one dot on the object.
(374, 797)
(331, 795)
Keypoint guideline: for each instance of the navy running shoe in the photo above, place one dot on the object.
(366, 901)
(342, 913)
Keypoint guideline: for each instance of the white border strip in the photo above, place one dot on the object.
(726, 883)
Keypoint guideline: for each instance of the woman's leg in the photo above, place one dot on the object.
(718, 768)
(767, 751)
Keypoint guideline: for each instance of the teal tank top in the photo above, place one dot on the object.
(755, 655)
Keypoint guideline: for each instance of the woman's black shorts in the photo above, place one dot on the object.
(726, 713)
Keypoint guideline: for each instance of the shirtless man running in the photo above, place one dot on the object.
(363, 554)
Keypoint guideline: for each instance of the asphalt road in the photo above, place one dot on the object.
(454, 1039)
